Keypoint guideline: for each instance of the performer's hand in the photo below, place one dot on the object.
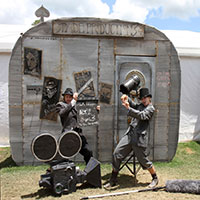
(98, 108)
(75, 96)
(124, 98)
(126, 104)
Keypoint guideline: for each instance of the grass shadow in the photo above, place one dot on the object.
(125, 181)
(8, 162)
(40, 194)
(84, 185)
(198, 142)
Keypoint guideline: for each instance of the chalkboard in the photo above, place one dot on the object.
(87, 113)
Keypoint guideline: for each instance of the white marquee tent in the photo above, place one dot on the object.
(187, 44)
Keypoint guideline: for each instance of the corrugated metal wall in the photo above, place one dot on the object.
(109, 59)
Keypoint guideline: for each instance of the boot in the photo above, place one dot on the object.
(153, 183)
(113, 180)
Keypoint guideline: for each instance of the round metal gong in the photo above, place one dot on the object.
(44, 147)
(69, 144)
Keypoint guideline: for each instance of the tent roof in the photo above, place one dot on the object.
(182, 39)
(9, 35)
(187, 43)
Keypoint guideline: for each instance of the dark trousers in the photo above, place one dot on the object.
(85, 150)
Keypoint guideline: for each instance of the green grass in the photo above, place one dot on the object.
(186, 163)
(187, 156)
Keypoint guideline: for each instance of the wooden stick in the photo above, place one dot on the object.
(122, 193)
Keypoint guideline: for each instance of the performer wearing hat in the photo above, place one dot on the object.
(136, 137)
(68, 116)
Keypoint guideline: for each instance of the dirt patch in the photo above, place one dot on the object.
(189, 150)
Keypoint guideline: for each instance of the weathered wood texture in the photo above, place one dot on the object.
(108, 51)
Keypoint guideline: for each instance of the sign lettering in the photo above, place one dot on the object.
(117, 29)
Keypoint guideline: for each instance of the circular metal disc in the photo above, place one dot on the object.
(69, 144)
(44, 147)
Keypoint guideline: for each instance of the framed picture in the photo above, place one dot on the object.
(105, 93)
(84, 84)
(32, 62)
(50, 97)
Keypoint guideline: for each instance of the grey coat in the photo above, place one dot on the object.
(68, 115)
(139, 125)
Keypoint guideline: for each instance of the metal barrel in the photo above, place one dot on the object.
(130, 84)
(44, 147)
(69, 144)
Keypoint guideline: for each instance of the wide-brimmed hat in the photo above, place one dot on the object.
(144, 92)
(68, 91)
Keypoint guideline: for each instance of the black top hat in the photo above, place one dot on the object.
(68, 91)
(144, 92)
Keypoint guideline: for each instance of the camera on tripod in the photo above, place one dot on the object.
(63, 175)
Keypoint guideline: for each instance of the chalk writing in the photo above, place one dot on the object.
(87, 113)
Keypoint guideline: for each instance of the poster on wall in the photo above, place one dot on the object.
(32, 62)
(105, 93)
(50, 97)
(84, 84)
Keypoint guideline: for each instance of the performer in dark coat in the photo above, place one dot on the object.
(136, 137)
(68, 116)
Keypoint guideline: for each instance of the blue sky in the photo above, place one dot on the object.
(172, 23)
(162, 14)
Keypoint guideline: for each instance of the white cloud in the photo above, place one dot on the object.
(182, 9)
(129, 10)
(73, 8)
(23, 11)
(138, 10)
(17, 12)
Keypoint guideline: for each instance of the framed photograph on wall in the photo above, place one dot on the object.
(50, 97)
(32, 62)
